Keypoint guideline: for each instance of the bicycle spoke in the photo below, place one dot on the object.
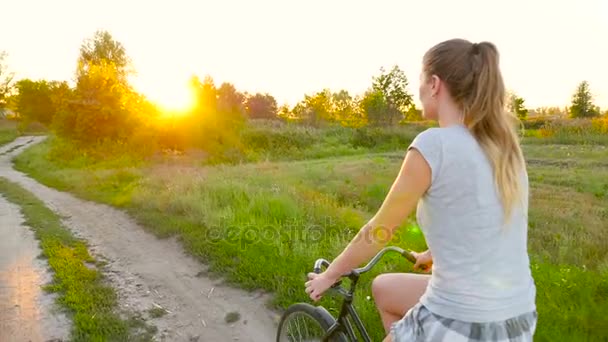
(301, 327)
(299, 332)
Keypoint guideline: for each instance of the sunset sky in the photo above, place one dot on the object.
(289, 48)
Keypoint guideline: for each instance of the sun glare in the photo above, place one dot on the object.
(175, 99)
(172, 96)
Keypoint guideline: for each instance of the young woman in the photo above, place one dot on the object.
(469, 182)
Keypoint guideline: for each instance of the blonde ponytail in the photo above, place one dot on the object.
(472, 74)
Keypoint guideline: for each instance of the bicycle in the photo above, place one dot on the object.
(319, 322)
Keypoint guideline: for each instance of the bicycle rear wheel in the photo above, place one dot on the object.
(303, 322)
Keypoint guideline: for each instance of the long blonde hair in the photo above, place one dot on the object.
(472, 75)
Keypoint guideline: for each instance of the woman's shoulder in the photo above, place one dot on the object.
(429, 134)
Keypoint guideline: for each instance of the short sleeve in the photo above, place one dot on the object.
(429, 144)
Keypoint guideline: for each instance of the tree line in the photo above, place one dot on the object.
(102, 105)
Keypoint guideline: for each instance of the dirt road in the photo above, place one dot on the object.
(26, 312)
(148, 272)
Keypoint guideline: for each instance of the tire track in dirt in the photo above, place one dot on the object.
(26, 312)
(148, 272)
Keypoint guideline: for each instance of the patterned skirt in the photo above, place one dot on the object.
(419, 324)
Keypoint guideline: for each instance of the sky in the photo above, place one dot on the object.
(289, 48)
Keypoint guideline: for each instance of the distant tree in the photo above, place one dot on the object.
(103, 49)
(218, 116)
(205, 116)
(6, 79)
(230, 102)
(284, 112)
(413, 114)
(515, 105)
(231, 113)
(298, 111)
(582, 102)
(550, 111)
(261, 106)
(61, 94)
(103, 105)
(344, 109)
(100, 108)
(393, 87)
(33, 101)
(375, 107)
(209, 94)
(317, 108)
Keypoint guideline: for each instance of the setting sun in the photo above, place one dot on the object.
(175, 99)
(171, 94)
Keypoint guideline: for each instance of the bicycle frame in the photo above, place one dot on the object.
(342, 323)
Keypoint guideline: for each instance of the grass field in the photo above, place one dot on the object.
(8, 131)
(262, 225)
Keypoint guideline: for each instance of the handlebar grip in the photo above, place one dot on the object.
(409, 256)
(324, 263)
(320, 263)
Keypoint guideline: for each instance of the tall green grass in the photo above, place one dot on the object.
(8, 131)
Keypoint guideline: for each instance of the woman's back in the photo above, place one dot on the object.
(481, 268)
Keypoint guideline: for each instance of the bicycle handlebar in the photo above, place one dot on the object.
(407, 254)
(320, 263)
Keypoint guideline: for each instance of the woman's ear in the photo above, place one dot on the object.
(435, 85)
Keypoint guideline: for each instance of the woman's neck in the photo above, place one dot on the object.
(450, 115)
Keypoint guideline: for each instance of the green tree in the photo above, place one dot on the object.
(230, 113)
(375, 107)
(284, 112)
(100, 108)
(205, 97)
(344, 109)
(218, 116)
(205, 124)
(317, 108)
(103, 105)
(103, 49)
(582, 102)
(393, 87)
(61, 94)
(6, 79)
(231, 103)
(33, 101)
(413, 114)
(261, 106)
(515, 105)
(549, 111)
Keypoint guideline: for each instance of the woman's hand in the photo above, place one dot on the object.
(318, 284)
(424, 261)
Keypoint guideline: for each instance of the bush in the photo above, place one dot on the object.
(33, 127)
(576, 130)
(363, 138)
(386, 138)
(282, 138)
(536, 123)
(600, 125)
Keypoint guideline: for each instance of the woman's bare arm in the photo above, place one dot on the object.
(413, 181)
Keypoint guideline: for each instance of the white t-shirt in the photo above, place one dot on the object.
(481, 269)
